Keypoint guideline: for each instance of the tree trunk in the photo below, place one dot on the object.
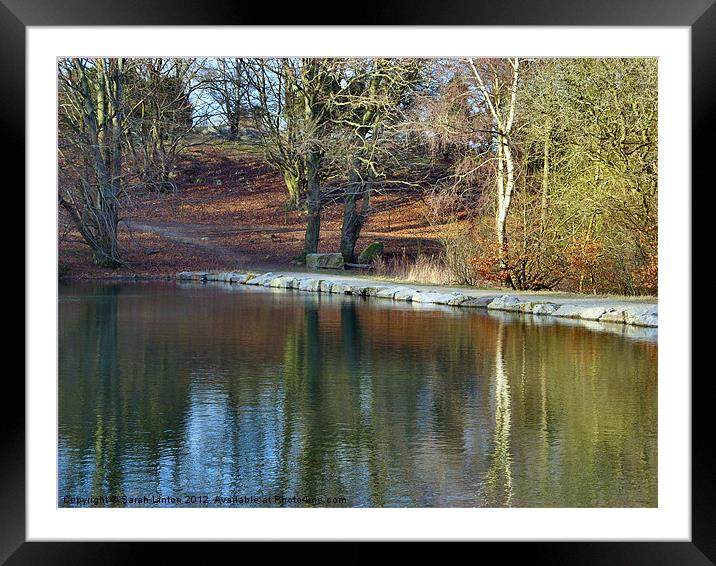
(102, 121)
(353, 220)
(502, 119)
(106, 252)
(294, 188)
(545, 179)
(313, 202)
(234, 119)
(505, 186)
(350, 232)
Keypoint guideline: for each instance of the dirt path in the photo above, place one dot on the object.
(181, 230)
(263, 244)
(199, 236)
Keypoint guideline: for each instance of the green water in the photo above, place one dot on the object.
(227, 395)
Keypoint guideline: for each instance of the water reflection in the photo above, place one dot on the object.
(228, 391)
(498, 481)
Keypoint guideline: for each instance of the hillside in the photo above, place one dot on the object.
(228, 212)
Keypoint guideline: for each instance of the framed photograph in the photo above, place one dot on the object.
(392, 280)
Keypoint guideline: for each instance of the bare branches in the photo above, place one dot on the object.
(555, 156)
(160, 118)
(92, 91)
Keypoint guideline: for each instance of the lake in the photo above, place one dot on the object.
(221, 395)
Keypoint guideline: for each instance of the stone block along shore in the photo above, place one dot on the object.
(600, 309)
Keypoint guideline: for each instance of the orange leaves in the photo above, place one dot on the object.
(646, 278)
(584, 262)
(487, 263)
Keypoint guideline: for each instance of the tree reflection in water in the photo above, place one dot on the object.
(498, 481)
(227, 390)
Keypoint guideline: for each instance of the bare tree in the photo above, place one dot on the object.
(159, 117)
(91, 123)
(291, 106)
(369, 108)
(277, 120)
(312, 86)
(498, 84)
(226, 82)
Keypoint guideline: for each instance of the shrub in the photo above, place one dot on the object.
(584, 258)
(534, 262)
(459, 251)
(646, 278)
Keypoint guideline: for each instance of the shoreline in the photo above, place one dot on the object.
(634, 312)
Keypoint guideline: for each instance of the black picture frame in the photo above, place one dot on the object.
(699, 15)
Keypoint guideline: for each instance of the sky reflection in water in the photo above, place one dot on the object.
(218, 390)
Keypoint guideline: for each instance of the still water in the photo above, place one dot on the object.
(228, 395)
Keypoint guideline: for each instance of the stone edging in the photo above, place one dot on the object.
(636, 315)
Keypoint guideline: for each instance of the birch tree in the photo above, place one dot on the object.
(499, 95)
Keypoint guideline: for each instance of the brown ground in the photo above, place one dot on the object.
(228, 213)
